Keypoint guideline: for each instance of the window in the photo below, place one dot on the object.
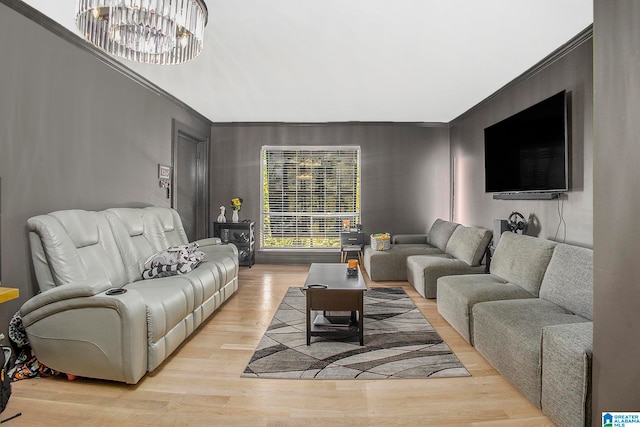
(307, 192)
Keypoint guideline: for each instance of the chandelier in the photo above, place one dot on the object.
(148, 31)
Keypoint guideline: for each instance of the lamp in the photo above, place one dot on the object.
(149, 31)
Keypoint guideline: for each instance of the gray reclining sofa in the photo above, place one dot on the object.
(95, 316)
(531, 318)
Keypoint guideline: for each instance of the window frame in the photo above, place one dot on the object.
(355, 216)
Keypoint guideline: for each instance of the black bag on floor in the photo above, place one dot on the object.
(5, 381)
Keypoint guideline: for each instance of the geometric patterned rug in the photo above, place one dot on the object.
(399, 343)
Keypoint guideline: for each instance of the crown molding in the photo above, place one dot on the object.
(348, 123)
(582, 37)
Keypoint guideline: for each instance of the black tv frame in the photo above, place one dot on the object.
(523, 116)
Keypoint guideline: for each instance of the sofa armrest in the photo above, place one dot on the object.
(79, 329)
(566, 373)
(214, 251)
(209, 241)
(409, 238)
(83, 288)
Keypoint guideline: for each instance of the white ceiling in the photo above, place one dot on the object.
(357, 60)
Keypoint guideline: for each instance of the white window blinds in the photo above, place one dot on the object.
(307, 192)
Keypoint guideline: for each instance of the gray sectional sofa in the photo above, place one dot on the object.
(447, 249)
(95, 316)
(531, 318)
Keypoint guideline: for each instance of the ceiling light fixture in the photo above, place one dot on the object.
(148, 31)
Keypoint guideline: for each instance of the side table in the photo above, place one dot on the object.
(351, 241)
(241, 234)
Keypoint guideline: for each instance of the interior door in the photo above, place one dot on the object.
(189, 180)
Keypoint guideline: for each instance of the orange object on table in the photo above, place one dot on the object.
(353, 263)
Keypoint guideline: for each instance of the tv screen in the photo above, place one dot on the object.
(528, 152)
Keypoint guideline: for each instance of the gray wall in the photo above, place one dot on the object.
(616, 334)
(405, 170)
(74, 133)
(472, 206)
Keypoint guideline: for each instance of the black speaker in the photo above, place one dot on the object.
(499, 227)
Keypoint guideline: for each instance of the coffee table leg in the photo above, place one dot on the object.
(361, 318)
(308, 318)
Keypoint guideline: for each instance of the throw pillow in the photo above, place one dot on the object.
(179, 259)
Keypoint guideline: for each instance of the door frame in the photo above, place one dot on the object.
(202, 215)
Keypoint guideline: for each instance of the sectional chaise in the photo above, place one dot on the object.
(447, 249)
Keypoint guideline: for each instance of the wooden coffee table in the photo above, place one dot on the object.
(328, 288)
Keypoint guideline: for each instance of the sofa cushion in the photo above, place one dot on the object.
(392, 264)
(458, 294)
(566, 373)
(409, 238)
(468, 244)
(142, 226)
(171, 225)
(440, 233)
(423, 271)
(138, 235)
(75, 245)
(509, 334)
(206, 281)
(568, 280)
(131, 218)
(82, 227)
(169, 303)
(225, 259)
(522, 260)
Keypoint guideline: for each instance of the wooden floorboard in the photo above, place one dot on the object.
(200, 384)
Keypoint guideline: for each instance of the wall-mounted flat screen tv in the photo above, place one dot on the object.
(529, 151)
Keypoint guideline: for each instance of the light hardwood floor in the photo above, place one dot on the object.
(200, 384)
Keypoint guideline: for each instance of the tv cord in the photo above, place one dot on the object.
(561, 221)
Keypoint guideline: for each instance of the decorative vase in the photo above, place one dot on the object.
(234, 217)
